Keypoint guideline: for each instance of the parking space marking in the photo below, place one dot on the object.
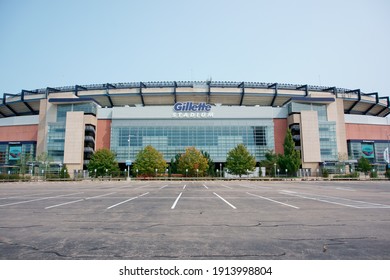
(226, 186)
(102, 195)
(269, 199)
(38, 199)
(345, 189)
(65, 203)
(337, 200)
(163, 187)
(140, 187)
(184, 187)
(224, 200)
(34, 194)
(79, 200)
(177, 199)
(115, 205)
(205, 186)
(249, 187)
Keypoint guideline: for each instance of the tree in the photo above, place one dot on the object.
(364, 165)
(193, 161)
(239, 161)
(291, 159)
(148, 160)
(64, 172)
(174, 163)
(44, 161)
(269, 163)
(23, 163)
(211, 169)
(101, 161)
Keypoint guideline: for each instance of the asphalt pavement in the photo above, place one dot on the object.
(195, 220)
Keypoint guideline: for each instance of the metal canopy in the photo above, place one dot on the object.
(214, 92)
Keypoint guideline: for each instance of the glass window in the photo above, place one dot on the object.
(321, 109)
(170, 140)
(328, 142)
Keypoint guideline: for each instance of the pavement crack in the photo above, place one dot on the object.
(237, 256)
(30, 226)
(33, 248)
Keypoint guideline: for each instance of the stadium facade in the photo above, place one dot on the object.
(329, 124)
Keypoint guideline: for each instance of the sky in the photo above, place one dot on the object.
(49, 43)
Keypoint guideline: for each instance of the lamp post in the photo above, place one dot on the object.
(217, 172)
(186, 172)
(136, 171)
(155, 171)
(278, 172)
(59, 170)
(324, 168)
(197, 171)
(275, 169)
(128, 157)
(286, 172)
(387, 155)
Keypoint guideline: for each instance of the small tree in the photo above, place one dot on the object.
(148, 160)
(101, 161)
(23, 163)
(64, 172)
(364, 165)
(193, 161)
(270, 160)
(44, 161)
(291, 159)
(174, 163)
(387, 174)
(239, 161)
(211, 169)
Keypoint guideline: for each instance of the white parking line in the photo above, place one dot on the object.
(140, 187)
(226, 186)
(246, 186)
(269, 199)
(338, 200)
(112, 206)
(65, 203)
(74, 201)
(345, 189)
(205, 186)
(177, 199)
(92, 197)
(184, 187)
(34, 194)
(38, 199)
(224, 200)
(163, 187)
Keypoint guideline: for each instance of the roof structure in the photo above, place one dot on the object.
(213, 92)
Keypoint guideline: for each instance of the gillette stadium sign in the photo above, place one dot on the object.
(192, 110)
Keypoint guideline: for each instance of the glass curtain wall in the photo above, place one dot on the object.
(217, 140)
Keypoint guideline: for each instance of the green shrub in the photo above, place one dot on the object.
(351, 175)
(373, 174)
(10, 177)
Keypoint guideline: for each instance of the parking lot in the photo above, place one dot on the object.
(195, 220)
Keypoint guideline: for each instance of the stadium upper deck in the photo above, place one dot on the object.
(212, 92)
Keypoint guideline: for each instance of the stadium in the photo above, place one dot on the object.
(329, 124)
